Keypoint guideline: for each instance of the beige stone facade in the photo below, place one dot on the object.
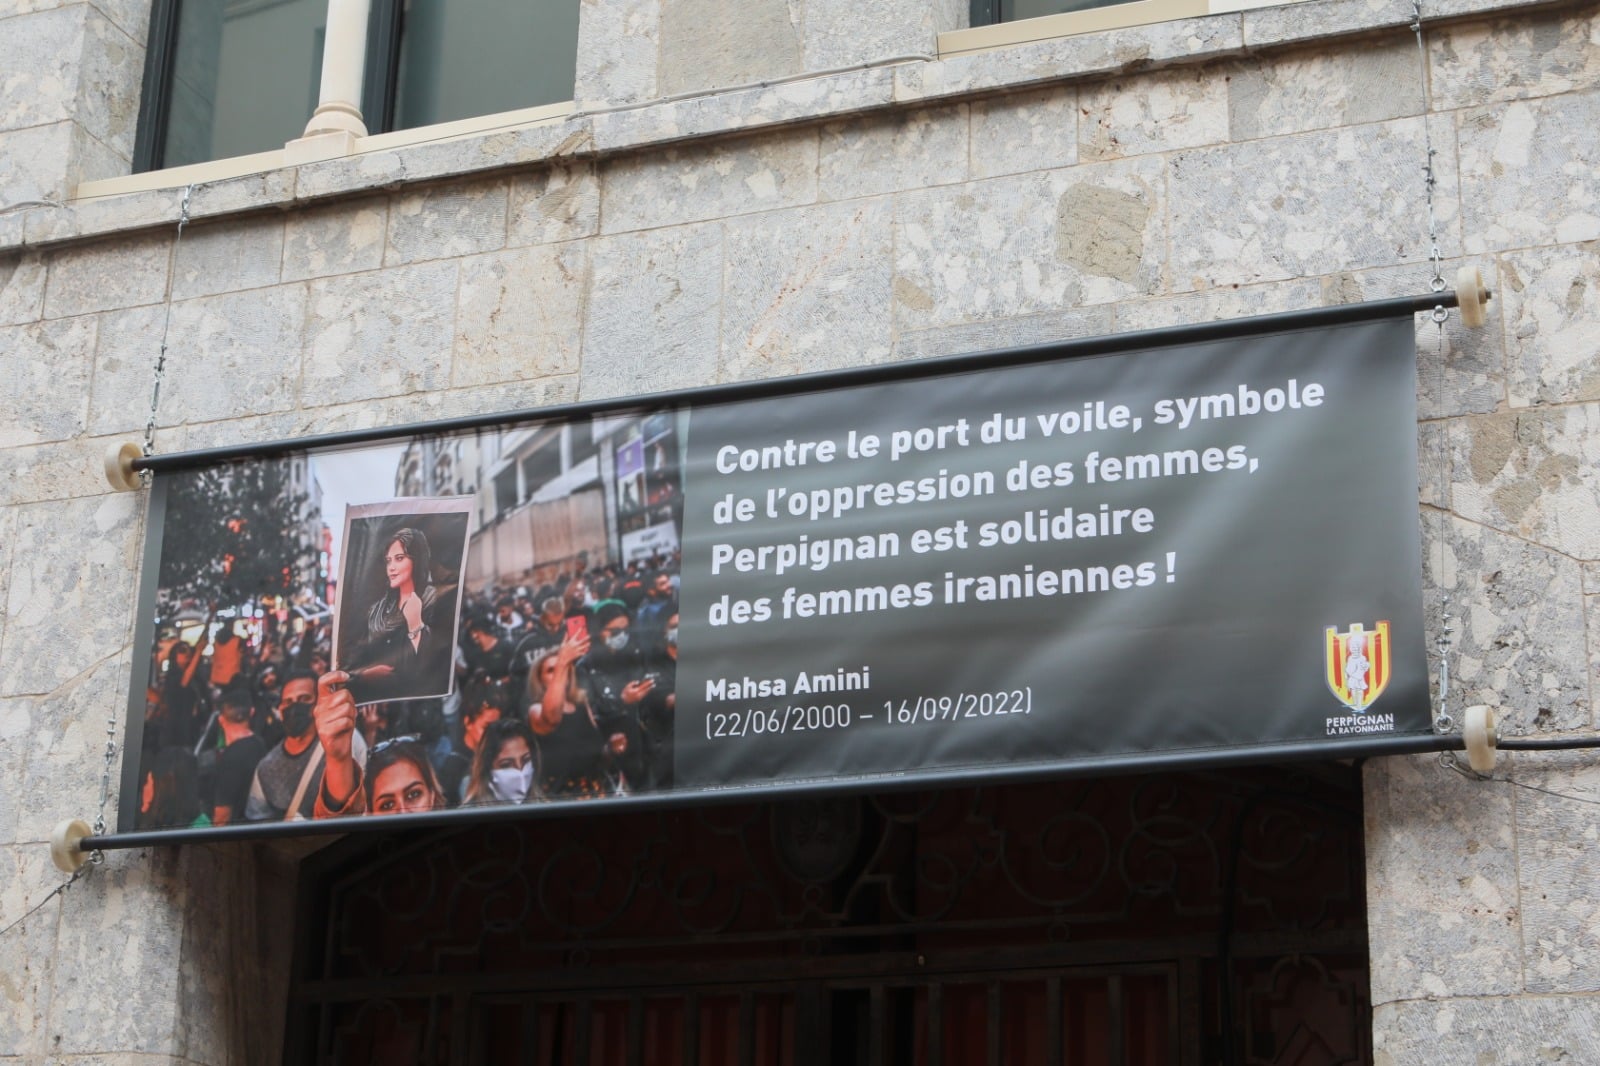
(815, 186)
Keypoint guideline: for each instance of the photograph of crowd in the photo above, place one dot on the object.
(509, 633)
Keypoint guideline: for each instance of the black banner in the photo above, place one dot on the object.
(1149, 551)
(1206, 551)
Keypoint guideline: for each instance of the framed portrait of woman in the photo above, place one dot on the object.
(399, 603)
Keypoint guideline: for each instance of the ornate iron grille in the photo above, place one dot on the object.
(1084, 922)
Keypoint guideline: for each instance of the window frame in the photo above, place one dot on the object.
(155, 94)
(987, 32)
(379, 82)
(1115, 14)
(381, 75)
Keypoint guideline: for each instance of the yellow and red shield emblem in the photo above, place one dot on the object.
(1358, 663)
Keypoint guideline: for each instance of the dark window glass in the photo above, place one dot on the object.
(244, 76)
(583, 442)
(986, 12)
(540, 468)
(1012, 10)
(482, 57)
(233, 77)
(505, 490)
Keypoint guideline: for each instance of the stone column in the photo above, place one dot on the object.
(344, 57)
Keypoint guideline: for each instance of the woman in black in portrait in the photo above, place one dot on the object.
(404, 655)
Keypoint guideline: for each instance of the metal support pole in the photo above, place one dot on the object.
(1313, 318)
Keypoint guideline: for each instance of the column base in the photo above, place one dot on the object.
(314, 147)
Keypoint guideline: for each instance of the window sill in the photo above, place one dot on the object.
(1072, 23)
(295, 153)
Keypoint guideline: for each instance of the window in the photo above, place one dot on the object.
(487, 56)
(996, 23)
(234, 77)
(241, 77)
(985, 12)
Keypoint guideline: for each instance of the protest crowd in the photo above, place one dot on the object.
(563, 691)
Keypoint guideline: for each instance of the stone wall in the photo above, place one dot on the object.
(66, 115)
(1223, 166)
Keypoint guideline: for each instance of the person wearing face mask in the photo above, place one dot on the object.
(289, 776)
(504, 769)
(661, 601)
(482, 704)
(612, 679)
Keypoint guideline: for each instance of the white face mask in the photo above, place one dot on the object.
(511, 786)
(617, 641)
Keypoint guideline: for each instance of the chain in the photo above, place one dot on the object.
(1436, 257)
(1429, 178)
(1444, 640)
(1443, 722)
(161, 358)
(97, 856)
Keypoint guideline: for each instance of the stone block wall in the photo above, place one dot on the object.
(636, 50)
(66, 115)
(1224, 166)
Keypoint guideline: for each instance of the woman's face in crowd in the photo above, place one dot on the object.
(514, 755)
(547, 671)
(614, 634)
(401, 788)
(397, 565)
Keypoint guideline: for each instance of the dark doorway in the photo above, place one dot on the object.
(1180, 920)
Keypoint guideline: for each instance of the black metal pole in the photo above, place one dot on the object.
(1314, 318)
(1547, 743)
(1130, 764)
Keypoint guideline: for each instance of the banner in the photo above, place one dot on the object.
(1205, 551)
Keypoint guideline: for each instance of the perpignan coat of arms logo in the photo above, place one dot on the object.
(1358, 664)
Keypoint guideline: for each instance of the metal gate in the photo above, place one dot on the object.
(1173, 920)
